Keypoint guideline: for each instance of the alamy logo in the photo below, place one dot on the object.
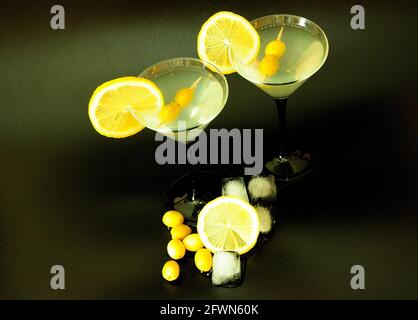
(247, 148)
(358, 21)
(58, 19)
(58, 280)
(358, 280)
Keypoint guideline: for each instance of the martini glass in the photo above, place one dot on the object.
(209, 88)
(305, 53)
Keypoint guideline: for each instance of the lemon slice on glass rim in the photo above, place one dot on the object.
(227, 33)
(117, 106)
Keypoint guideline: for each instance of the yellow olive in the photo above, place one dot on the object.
(171, 270)
(176, 249)
(275, 48)
(269, 66)
(203, 260)
(169, 112)
(180, 231)
(184, 97)
(172, 218)
(192, 242)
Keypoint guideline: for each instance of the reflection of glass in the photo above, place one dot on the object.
(306, 51)
(204, 99)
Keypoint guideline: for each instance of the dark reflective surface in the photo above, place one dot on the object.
(94, 205)
(189, 193)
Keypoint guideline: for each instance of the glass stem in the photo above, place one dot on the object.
(281, 105)
(192, 169)
(192, 172)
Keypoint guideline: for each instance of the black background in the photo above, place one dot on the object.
(72, 197)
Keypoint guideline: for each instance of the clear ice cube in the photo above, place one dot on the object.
(262, 188)
(235, 187)
(226, 269)
(266, 220)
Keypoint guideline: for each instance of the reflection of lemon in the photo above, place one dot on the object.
(228, 224)
(116, 106)
(226, 31)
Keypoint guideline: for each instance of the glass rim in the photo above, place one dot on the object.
(210, 66)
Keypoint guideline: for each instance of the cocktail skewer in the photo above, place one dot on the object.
(195, 84)
(279, 36)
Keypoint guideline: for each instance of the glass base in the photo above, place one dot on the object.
(191, 192)
(291, 166)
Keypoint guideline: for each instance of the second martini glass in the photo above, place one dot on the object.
(195, 92)
(306, 49)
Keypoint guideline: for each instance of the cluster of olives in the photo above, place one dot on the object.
(182, 99)
(274, 50)
(183, 239)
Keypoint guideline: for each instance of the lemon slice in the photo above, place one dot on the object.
(228, 224)
(116, 106)
(226, 31)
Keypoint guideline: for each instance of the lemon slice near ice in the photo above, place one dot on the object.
(228, 224)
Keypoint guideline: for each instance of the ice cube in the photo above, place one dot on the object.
(235, 187)
(226, 268)
(263, 188)
(266, 220)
